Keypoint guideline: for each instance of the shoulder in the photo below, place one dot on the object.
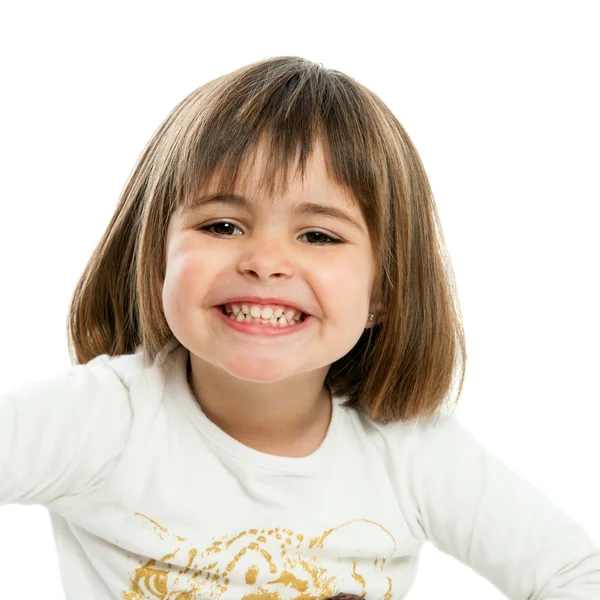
(412, 437)
(104, 384)
(127, 371)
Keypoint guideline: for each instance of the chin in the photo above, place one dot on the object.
(259, 372)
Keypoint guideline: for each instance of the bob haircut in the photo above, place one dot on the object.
(400, 369)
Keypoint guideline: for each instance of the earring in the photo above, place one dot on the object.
(371, 316)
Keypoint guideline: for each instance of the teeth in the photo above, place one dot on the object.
(266, 314)
(281, 322)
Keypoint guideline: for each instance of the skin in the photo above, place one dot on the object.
(269, 393)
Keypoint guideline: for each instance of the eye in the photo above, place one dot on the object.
(222, 224)
(320, 235)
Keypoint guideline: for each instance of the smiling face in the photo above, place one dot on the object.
(269, 249)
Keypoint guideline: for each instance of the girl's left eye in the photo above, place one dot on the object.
(330, 240)
(320, 235)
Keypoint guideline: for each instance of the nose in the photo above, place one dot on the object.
(266, 257)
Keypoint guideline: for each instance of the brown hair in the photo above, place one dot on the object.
(400, 369)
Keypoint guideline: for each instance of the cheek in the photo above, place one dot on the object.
(185, 280)
(345, 287)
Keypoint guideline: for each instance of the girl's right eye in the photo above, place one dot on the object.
(220, 224)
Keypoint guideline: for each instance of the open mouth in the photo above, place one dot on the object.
(266, 315)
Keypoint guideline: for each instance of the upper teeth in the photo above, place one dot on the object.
(263, 312)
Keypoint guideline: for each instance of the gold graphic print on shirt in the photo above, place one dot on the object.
(266, 564)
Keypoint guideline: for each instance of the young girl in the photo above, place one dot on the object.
(267, 337)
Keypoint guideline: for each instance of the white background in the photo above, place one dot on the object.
(501, 101)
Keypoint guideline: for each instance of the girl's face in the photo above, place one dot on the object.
(270, 249)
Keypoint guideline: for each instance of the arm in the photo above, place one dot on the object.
(474, 508)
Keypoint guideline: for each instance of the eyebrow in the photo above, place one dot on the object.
(304, 209)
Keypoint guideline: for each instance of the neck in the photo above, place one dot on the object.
(285, 418)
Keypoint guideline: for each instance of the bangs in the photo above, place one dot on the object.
(230, 172)
(285, 107)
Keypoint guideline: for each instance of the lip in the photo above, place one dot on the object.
(260, 328)
(259, 300)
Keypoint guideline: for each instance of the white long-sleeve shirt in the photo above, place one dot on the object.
(149, 499)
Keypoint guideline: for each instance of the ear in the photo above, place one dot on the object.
(377, 310)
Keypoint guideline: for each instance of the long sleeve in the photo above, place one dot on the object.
(49, 444)
(476, 509)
